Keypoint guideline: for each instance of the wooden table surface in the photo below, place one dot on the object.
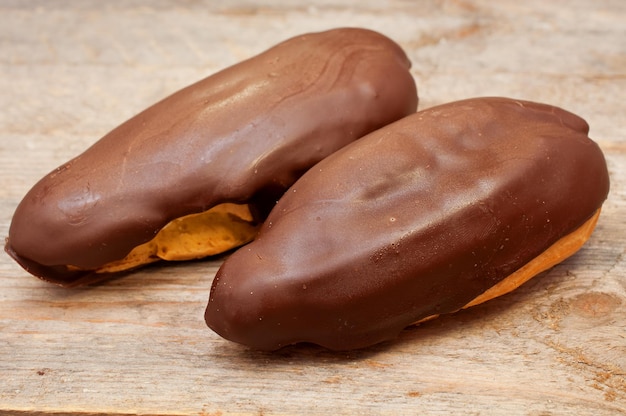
(71, 71)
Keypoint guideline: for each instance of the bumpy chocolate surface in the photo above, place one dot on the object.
(244, 134)
(415, 219)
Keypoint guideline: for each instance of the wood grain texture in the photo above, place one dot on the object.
(71, 71)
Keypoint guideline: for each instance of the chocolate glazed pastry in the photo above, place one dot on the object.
(444, 209)
(231, 143)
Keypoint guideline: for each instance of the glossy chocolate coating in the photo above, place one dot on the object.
(413, 220)
(242, 135)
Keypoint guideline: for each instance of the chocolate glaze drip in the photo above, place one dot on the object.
(413, 220)
(244, 134)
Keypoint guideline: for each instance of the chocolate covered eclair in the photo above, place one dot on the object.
(194, 174)
(444, 209)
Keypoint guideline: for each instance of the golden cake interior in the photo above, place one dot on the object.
(556, 253)
(221, 228)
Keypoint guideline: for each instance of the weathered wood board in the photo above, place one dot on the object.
(72, 70)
